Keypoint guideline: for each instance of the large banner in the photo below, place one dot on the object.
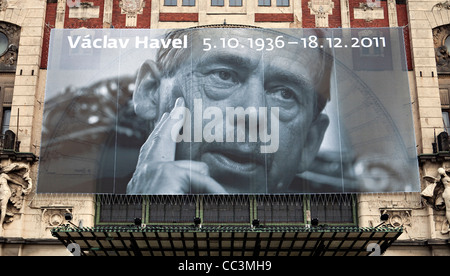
(227, 111)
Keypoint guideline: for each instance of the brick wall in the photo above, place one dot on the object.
(274, 17)
(402, 17)
(178, 17)
(144, 19)
(50, 19)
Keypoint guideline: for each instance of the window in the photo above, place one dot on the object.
(4, 43)
(264, 3)
(6, 118)
(332, 208)
(278, 209)
(445, 105)
(119, 209)
(283, 3)
(188, 2)
(170, 2)
(224, 209)
(171, 211)
(235, 3)
(446, 119)
(217, 3)
(227, 209)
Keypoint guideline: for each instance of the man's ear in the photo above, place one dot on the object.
(313, 141)
(146, 93)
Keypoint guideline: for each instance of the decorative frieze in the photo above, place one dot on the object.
(86, 10)
(369, 11)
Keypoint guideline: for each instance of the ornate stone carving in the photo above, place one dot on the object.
(15, 184)
(442, 5)
(86, 10)
(369, 11)
(8, 59)
(437, 195)
(132, 8)
(398, 217)
(321, 9)
(440, 35)
(3, 5)
(54, 216)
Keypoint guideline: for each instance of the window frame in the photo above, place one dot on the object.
(263, 3)
(217, 3)
(188, 3)
(170, 3)
(232, 3)
(282, 3)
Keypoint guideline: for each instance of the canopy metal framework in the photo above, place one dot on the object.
(185, 241)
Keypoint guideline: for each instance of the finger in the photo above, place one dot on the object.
(201, 183)
(196, 166)
(160, 146)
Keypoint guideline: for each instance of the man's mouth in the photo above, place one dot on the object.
(234, 161)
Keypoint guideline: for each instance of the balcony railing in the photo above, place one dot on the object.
(10, 148)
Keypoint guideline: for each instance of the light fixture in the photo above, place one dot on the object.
(137, 221)
(197, 222)
(384, 218)
(255, 223)
(69, 218)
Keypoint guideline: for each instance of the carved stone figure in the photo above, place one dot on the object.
(15, 183)
(5, 195)
(437, 194)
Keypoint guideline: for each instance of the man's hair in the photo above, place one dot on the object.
(170, 59)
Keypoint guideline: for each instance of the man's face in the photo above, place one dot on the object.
(240, 77)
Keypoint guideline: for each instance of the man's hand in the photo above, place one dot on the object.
(157, 172)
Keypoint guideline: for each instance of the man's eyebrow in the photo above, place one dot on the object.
(294, 78)
(226, 59)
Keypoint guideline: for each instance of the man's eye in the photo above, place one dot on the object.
(225, 76)
(283, 93)
(287, 94)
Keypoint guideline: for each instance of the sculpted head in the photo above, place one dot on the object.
(272, 97)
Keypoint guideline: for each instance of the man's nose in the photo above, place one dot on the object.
(248, 103)
(253, 93)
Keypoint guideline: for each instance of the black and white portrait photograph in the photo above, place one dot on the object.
(227, 111)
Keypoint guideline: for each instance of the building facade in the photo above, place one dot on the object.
(30, 218)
